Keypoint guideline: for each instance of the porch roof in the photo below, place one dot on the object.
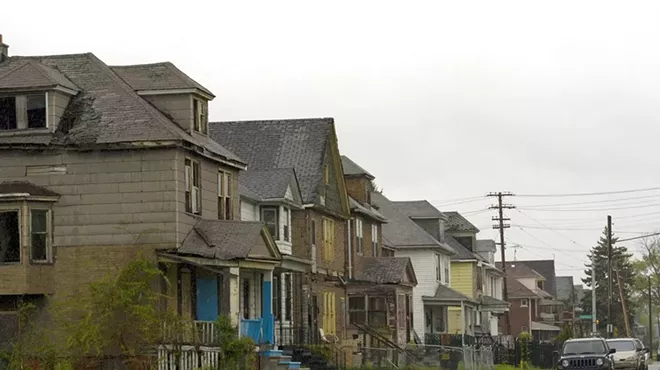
(544, 327)
(448, 296)
(230, 240)
(491, 302)
(385, 270)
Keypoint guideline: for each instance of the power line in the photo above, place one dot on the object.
(549, 228)
(579, 228)
(589, 209)
(592, 202)
(457, 201)
(588, 194)
(637, 237)
(501, 226)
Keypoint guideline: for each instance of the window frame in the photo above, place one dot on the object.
(359, 236)
(262, 210)
(200, 116)
(21, 109)
(190, 179)
(381, 311)
(288, 297)
(447, 272)
(524, 302)
(225, 204)
(328, 239)
(359, 312)
(374, 240)
(47, 233)
(286, 224)
(19, 215)
(438, 267)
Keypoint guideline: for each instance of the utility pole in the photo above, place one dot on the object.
(594, 324)
(609, 276)
(500, 206)
(650, 317)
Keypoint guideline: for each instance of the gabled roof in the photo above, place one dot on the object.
(29, 74)
(107, 112)
(157, 76)
(547, 269)
(353, 169)
(229, 240)
(300, 144)
(402, 232)
(519, 270)
(486, 245)
(462, 253)
(366, 209)
(444, 293)
(515, 289)
(271, 184)
(457, 223)
(385, 270)
(419, 209)
(24, 188)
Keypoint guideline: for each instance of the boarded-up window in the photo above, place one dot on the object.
(329, 239)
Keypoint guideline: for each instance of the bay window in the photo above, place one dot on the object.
(270, 216)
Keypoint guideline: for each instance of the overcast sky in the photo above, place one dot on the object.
(440, 100)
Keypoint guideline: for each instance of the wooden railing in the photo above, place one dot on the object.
(191, 332)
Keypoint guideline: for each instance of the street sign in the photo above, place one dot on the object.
(586, 317)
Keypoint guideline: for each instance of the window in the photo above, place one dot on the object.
(269, 215)
(36, 111)
(193, 187)
(374, 239)
(356, 310)
(200, 116)
(23, 112)
(246, 298)
(225, 210)
(286, 230)
(447, 271)
(313, 233)
(288, 288)
(39, 238)
(480, 279)
(524, 303)
(10, 242)
(539, 284)
(326, 174)
(377, 312)
(277, 296)
(438, 267)
(328, 239)
(359, 240)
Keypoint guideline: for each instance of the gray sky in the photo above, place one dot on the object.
(439, 100)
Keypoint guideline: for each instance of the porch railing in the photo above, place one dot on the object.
(191, 332)
(252, 328)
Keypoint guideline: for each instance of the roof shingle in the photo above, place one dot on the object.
(225, 240)
(271, 184)
(418, 209)
(457, 223)
(547, 269)
(382, 270)
(353, 169)
(300, 144)
(157, 76)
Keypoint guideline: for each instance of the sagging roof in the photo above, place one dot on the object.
(401, 232)
(106, 111)
(24, 188)
(300, 144)
(157, 76)
(229, 240)
(366, 210)
(353, 169)
(457, 223)
(385, 270)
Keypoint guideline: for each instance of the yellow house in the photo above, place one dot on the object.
(473, 274)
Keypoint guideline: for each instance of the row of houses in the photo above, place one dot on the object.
(262, 221)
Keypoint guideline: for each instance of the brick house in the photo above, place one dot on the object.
(379, 285)
(98, 163)
(319, 229)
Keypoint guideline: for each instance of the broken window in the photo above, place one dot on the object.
(10, 243)
(39, 235)
(8, 113)
(36, 111)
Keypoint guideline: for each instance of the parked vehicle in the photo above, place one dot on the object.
(582, 353)
(630, 353)
(647, 352)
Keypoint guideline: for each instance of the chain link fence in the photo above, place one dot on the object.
(424, 356)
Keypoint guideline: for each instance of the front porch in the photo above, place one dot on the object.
(449, 314)
(491, 309)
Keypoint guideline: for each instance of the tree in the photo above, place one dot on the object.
(621, 262)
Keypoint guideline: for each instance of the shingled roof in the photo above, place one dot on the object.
(462, 253)
(402, 232)
(444, 293)
(300, 144)
(227, 240)
(520, 270)
(106, 112)
(418, 209)
(353, 169)
(547, 269)
(515, 289)
(24, 188)
(384, 270)
(157, 76)
(366, 210)
(457, 223)
(270, 184)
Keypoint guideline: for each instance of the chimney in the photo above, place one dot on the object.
(4, 50)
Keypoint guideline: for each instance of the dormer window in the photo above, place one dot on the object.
(23, 112)
(200, 116)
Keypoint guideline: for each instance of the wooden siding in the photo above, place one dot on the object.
(178, 106)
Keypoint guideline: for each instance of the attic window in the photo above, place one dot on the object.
(23, 112)
(200, 116)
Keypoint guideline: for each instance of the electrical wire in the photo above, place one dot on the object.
(542, 224)
(588, 209)
(592, 202)
(587, 194)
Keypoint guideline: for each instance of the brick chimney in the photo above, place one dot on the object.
(4, 50)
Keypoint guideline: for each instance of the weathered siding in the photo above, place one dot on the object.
(333, 200)
(178, 106)
(463, 277)
(357, 187)
(249, 211)
(57, 103)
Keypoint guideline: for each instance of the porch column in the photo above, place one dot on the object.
(462, 323)
(267, 314)
(232, 283)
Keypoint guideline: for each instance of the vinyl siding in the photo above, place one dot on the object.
(463, 277)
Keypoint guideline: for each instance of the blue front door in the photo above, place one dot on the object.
(207, 298)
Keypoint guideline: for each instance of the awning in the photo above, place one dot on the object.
(544, 327)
